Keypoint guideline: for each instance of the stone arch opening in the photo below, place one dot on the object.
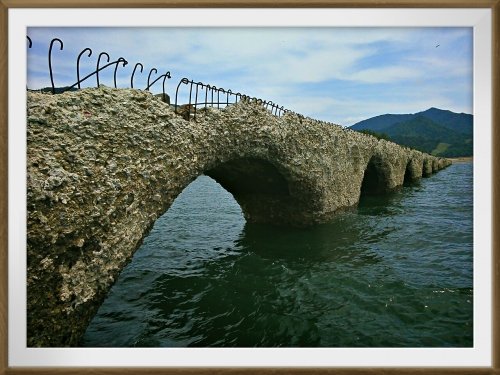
(374, 180)
(249, 176)
(409, 177)
(260, 189)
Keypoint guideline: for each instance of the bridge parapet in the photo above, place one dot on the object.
(103, 164)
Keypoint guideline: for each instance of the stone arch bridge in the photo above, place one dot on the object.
(103, 164)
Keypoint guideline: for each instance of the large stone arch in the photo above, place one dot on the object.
(103, 164)
(261, 190)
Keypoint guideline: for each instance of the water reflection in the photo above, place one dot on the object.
(341, 240)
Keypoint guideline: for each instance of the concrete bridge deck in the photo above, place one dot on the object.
(104, 164)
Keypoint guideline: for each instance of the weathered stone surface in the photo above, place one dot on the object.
(104, 164)
(415, 165)
(428, 166)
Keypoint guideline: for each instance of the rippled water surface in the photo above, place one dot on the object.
(395, 272)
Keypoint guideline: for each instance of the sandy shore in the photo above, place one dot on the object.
(464, 159)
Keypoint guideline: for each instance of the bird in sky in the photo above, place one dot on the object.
(437, 45)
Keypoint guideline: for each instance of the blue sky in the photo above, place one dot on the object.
(340, 75)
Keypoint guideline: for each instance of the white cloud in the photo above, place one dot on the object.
(289, 66)
(385, 74)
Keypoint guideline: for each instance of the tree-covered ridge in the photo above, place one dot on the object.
(435, 131)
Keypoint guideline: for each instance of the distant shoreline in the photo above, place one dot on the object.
(462, 159)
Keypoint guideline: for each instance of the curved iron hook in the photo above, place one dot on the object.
(50, 61)
(97, 67)
(207, 89)
(275, 107)
(182, 81)
(120, 60)
(133, 72)
(197, 84)
(167, 75)
(95, 72)
(164, 76)
(29, 46)
(206, 95)
(78, 64)
(228, 92)
(212, 90)
(218, 97)
(190, 95)
(149, 76)
(196, 98)
(272, 105)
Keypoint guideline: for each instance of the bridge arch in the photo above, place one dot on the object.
(414, 167)
(266, 189)
(103, 164)
(257, 185)
(375, 181)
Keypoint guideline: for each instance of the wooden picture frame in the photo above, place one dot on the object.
(5, 5)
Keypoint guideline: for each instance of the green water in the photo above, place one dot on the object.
(395, 272)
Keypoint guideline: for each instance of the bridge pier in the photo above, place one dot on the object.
(103, 164)
(414, 168)
(427, 167)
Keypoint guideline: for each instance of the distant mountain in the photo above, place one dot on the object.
(435, 131)
(459, 122)
(379, 123)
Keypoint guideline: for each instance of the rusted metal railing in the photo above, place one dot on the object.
(198, 95)
(116, 63)
(205, 95)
